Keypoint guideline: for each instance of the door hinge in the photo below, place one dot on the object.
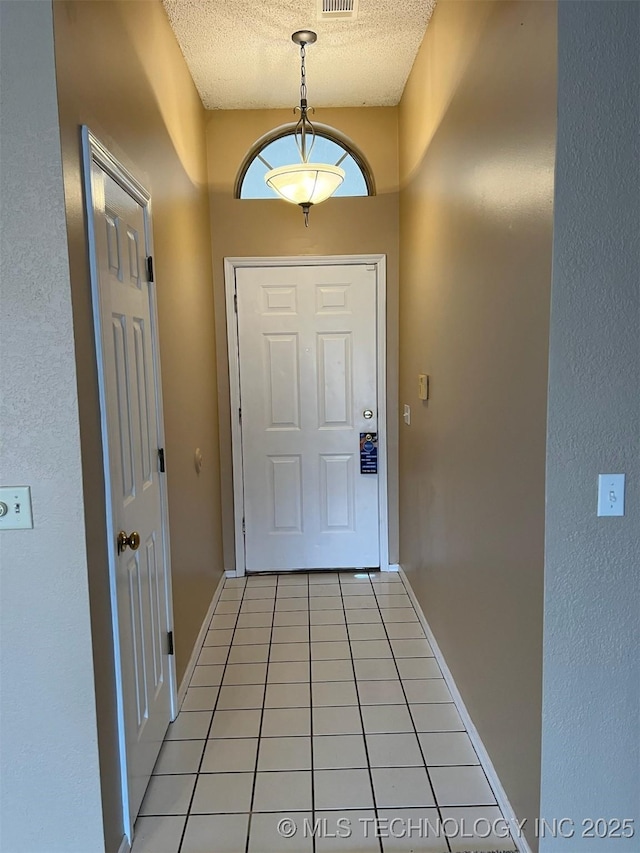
(244, 526)
(149, 263)
(161, 464)
(235, 302)
(240, 414)
(169, 642)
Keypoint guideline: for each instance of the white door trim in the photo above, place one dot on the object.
(93, 151)
(230, 267)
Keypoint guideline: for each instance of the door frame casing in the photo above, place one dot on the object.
(93, 151)
(379, 263)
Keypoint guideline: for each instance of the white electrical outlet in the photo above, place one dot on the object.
(15, 508)
(611, 494)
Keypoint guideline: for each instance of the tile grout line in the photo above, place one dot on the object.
(215, 705)
(355, 682)
(415, 730)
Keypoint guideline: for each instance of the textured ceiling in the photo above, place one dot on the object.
(241, 56)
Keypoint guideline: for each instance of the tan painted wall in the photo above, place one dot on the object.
(120, 71)
(477, 133)
(264, 227)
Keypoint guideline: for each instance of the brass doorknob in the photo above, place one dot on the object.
(132, 541)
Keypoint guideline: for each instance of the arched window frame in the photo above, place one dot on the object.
(323, 130)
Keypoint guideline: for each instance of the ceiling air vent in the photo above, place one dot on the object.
(337, 10)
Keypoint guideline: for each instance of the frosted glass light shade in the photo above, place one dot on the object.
(305, 183)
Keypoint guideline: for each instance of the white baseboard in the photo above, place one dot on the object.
(124, 845)
(487, 765)
(186, 678)
(230, 573)
(392, 567)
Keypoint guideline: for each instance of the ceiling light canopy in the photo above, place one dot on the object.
(305, 183)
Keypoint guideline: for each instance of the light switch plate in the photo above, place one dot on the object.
(15, 508)
(407, 414)
(611, 494)
(423, 386)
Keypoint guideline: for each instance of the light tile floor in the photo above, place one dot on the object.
(317, 700)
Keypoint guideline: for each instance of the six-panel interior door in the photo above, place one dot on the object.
(307, 350)
(132, 412)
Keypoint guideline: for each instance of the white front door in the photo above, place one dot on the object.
(131, 414)
(308, 386)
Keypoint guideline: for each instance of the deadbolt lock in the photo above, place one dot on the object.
(131, 541)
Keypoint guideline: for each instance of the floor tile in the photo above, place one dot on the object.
(411, 648)
(405, 631)
(354, 577)
(418, 668)
(227, 607)
(333, 693)
(231, 593)
(333, 752)
(251, 636)
(291, 634)
(224, 620)
(427, 690)
(412, 831)
(342, 789)
(279, 722)
(381, 693)
(200, 699)
(289, 652)
(401, 787)
(254, 593)
(189, 725)
(245, 673)
(381, 587)
(222, 793)
(293, 591)
(233, 583)
(331, 651)
(331, 670)
(398, 614)
(386, 719)
(179, 756)
(324, 589)
(206, 676)
(390, 601)
(441, 717)
(375, 670)
(397, 750)
(286, 791)
(249, 654)
(352, 589)
(241, 696)
(287, 696)
(370, 649)
(261, 580)
(265, 838)
(325, 602)
(367, 631)
(283, 618)
(292, 579)
(484, 819)
(385, 577)
(168, 795)
(230, 755)
(225, 833)
(285, 753)
(441, 748)
(288, 604)
(255, 620)
(218, 638)
(158, 834)
(327, 617)
(210, 655)
(461, 786)
(360, 826)
(236, 724)
(328, 633)
(336, 720)
(360, 602)
(288, 672)
(257, 605)
(319, 577)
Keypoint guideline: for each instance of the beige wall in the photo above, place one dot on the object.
(477, 131)
(120, 71)
(272, 227)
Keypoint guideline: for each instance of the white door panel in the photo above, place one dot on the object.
(307, 354)
(132, 411)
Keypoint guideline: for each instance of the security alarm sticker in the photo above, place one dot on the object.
(368, 452)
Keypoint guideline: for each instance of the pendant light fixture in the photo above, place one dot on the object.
(305, 183)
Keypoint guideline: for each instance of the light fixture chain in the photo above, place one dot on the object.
(303, 74)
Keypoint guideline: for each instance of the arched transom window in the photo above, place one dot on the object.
(278, 148)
